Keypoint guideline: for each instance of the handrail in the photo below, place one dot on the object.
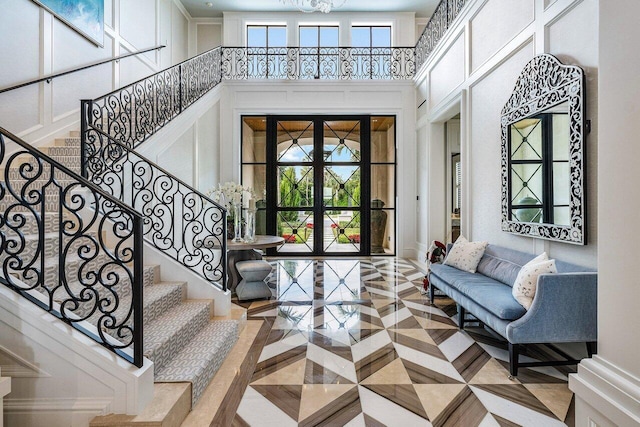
(64, 73)
(192, 237)
(133, 113)
(71, 248)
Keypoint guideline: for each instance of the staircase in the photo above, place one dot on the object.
(180, 337)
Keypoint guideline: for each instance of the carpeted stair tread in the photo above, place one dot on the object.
(202, 357)
(160, 298)
(170, 332)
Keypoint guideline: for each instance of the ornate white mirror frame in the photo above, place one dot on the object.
(545, 83)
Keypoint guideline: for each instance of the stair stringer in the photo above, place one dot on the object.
(83, 379)
(197, 287)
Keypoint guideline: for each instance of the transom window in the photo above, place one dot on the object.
(266, 36)
(318, 36)
(371, 36)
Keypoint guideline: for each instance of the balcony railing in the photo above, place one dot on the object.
(442, 18)
(320, 63)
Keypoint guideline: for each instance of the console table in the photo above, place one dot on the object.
(241, 251)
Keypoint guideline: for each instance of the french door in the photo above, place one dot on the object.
(327, 184)
(317, 186)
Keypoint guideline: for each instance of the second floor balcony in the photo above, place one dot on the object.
(319, 63)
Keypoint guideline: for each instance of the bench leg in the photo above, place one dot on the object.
(461, 314)
(592, 348)
(513, 360)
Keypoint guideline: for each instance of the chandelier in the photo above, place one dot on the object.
(309, 6)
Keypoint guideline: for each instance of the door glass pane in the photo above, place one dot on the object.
(342, 184)
(341, 141)
(383, 144)
(295, 141)
(296, 227)
(341, 231)
(295, 184)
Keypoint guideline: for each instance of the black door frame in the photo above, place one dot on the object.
(318, 165)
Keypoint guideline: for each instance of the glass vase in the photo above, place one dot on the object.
(250, 226)
(237, 222)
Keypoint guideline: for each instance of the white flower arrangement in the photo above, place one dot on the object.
(231, 193)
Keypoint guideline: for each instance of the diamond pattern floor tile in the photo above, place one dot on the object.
(382, 355)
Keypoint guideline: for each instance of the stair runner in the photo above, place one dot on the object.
(179, 335)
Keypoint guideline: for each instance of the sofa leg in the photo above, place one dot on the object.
(592, 348)
(461, 314)
(432, 292)
(513, 360)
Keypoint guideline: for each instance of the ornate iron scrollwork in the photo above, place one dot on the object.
(179, 221)
(442, 18)
(70, 248)
(130, 115)
(322, 63)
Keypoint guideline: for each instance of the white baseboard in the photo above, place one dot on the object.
(54, 411)
(605, 394)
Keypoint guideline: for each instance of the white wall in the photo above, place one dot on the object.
(473, 71)
(206, 33)
(607, 387)
(35, 44)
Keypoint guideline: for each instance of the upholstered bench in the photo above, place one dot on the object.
(564, 308)
(252, 285)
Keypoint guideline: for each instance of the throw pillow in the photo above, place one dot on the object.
(465, 255)
(524, 288)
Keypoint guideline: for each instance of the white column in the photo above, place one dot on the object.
(607, 387)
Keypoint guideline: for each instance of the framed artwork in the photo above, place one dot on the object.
(84, 16)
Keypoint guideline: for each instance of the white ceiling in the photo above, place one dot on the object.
(198, 8)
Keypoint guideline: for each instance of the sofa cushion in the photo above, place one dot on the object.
(500, 269)
(493, 295)
(524, 289)
(465, 255)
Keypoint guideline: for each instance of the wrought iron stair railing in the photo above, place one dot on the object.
(179, 221)
(131, 114)
(71, 248)
(441, 20)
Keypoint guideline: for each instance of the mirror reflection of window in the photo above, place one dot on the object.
(539, 149)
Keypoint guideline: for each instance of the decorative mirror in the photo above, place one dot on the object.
(543, 153)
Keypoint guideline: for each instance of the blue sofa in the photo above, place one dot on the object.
(564, 308)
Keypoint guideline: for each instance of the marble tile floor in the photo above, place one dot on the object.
(355, 343)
